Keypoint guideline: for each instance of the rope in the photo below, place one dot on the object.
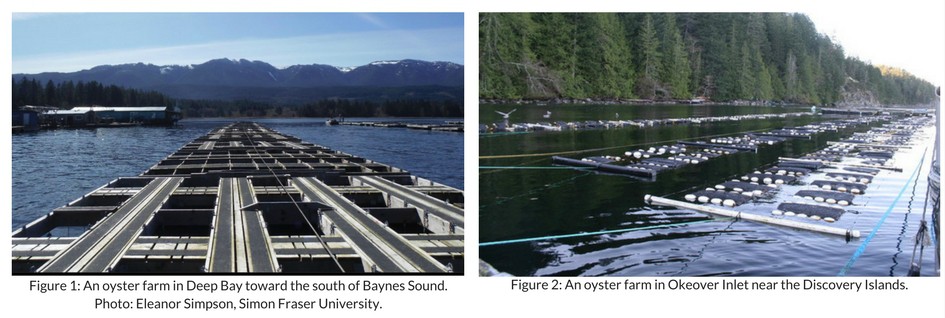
(706, 246)
(915, 268)
(487, 172)
(555, 237)
(862, 248)
(304, 217)
(533, 191)
(613, 147)
(902, 233)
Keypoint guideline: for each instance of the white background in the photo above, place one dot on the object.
(471, 295)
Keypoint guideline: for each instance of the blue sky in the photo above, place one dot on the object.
(76, 41)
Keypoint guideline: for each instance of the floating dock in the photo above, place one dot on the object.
(450, 126)
(648, 163)
(829, 180)
(245, 198)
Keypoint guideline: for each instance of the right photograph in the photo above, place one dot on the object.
(707, 144)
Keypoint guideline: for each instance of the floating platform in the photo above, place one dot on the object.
(245, 198)
(855, 188)
(825, 201)
(832, 197)
(812, 211)
(635, 170)
(746, 188)
(450, 126)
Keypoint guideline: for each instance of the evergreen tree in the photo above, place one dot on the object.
(676, 68)
(649, 65)
(722, 56)
(790, 78)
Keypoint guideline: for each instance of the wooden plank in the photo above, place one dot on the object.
(259, 254)
(222, 252)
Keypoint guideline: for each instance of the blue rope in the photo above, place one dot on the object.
(862, 248)
(554, 237)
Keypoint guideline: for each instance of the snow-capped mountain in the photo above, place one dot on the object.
(244, 73)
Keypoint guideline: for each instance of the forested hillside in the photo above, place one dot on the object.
(68, 94)
(664, 56)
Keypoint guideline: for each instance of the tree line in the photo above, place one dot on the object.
(70, 94)
(664, 56)
(323, 108)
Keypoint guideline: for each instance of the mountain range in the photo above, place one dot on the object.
(229, 79)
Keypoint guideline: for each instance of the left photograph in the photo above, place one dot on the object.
(153, 143)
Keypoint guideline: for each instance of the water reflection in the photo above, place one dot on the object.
(534, 203)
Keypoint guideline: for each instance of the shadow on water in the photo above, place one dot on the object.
(904, 228)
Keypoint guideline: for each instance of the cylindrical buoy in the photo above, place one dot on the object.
(779, 181)
(855, 191)
(825, 187)
(843, 202)
(716, 201)
(789, 213)
(757, 192)
(776, 212)
(728, 202)
(703, 199)
(649, 199)
(801, 215)
(814, 217)
(691, 197)
(831, 200)
(829, 219)
(720, 187)
(842, 189)
(819, 199)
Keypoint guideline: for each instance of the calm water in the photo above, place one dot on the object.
(518, 204)
(54, 167)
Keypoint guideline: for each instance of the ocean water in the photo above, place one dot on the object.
(53, 167)
(517, 204)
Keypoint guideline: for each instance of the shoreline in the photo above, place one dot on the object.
(619, 101)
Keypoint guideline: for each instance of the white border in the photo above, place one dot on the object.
(470, 295)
